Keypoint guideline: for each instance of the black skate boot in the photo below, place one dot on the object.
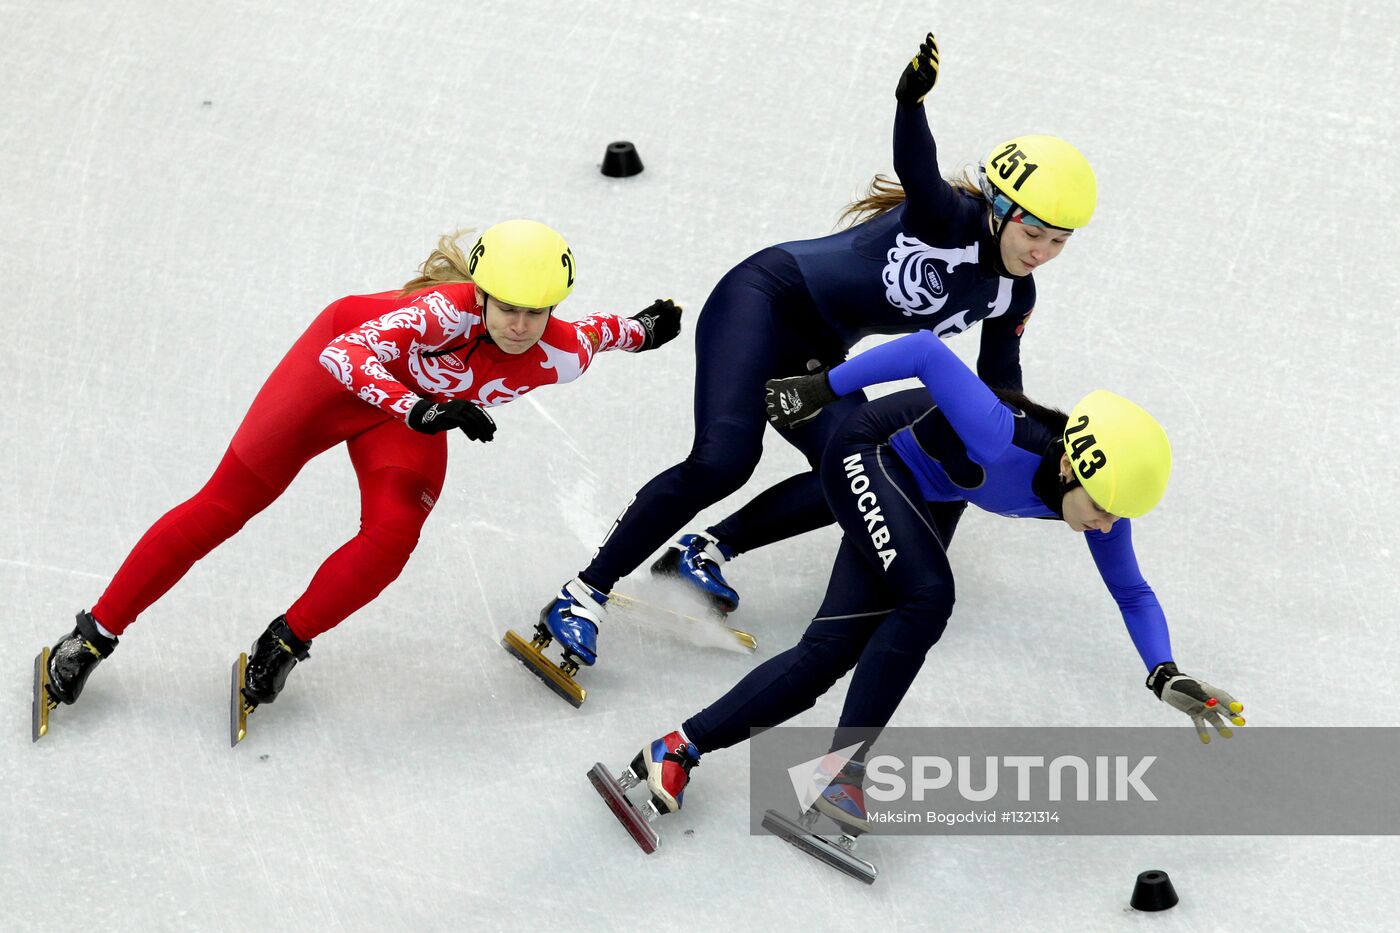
(73, 658)
(274, 655)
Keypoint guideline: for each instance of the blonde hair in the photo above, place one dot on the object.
(885, 194)
(447, 263)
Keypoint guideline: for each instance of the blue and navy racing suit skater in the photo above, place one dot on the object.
(891, 589)
(926, 255)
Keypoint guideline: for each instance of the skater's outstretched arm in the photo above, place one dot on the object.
(983, 422)
(597, 333)
(1142, 613)
(1147, 625)
(356, 358)
(659, 323)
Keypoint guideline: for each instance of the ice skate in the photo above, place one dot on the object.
(625, 601)
(664, 766)
(259, 678)
(843, 802)
(61, 672)
(696, 560)
(572, 618)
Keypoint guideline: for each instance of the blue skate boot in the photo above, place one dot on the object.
(572, 620)
(696, 559)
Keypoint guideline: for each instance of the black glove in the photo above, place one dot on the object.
(1196, 698)
(920, 75)
(662, 321)
(796, 399)
(430, 417)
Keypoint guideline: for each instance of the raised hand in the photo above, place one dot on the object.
(920, 75)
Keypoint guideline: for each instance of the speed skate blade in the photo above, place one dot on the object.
(624, 601)
(818, 847)
(237, 704)
(43, 703)
(743, 638)
(545, 669)
(611, 792)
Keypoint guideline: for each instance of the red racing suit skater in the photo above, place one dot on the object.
(352, 378)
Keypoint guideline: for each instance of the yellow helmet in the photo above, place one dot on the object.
(523, 263)
(1119, 453)
(1040, 180)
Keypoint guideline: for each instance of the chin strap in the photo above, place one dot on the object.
(999, 227)
(1047, 483)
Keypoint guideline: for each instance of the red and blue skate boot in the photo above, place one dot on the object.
(843, 800)
(696, 560)
(664, 766)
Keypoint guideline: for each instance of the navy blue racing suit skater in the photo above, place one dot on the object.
(930, 256)
(891, 590)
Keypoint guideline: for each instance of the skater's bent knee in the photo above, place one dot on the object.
(917, 634)
(828, 658)
(393, 545)
(930, 600)
(720, 468)
(211, 523)
(730, 438)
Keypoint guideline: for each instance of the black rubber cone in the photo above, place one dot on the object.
(1153, 891)
(621, 160)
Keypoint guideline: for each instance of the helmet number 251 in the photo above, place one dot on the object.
(1082, 446)
(1009, 160)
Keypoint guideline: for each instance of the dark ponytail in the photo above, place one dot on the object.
(1052, 418)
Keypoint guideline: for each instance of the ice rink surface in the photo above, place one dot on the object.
(187, 185)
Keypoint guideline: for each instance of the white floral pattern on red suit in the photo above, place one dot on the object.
(387, 363)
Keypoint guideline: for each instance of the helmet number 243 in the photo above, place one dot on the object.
(1085, 445)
